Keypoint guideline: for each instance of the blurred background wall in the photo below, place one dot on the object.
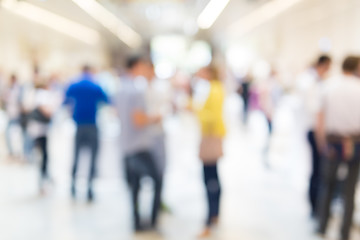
(287, 41)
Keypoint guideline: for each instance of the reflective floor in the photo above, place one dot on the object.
(264, 195)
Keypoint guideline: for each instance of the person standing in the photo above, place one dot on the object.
(13, 107)
(84, 97)
(244, 91)
(309, 85)
(213, 130)
(269, 95)
(338, 135)
(136, 140)
(27, 103)
(38, 126)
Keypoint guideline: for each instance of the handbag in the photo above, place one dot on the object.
(211, 149)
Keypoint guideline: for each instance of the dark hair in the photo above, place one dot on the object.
(133, 60)
(322, 60)
(86, 68)
(351, 64)
(13, 76)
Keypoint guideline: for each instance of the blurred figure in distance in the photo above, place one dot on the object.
(13, 107)
(84, 97)
(270, 92)
(309, 85)
(213, 131)
(27, 103)
(136, 141)
(338, 135)
(38, 127)
(244, 92)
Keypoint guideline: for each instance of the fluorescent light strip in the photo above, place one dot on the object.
(260, 16)
(211, 12)
(53, 21)
(111, 22)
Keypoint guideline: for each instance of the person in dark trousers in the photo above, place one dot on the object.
(244, 92)
(27, 93)
(84, 97)
(213, 131)
(309, 86)
(135, 137)
(38, 127)
(338, 136)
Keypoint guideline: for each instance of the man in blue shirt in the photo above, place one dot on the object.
(84, 97)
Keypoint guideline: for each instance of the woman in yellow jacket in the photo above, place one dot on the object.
(211, 120)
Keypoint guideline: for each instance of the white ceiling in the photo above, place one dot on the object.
(152, 17)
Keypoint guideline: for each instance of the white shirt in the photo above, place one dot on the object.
(43, 98)
(13, 102)
(341, 105)
(309, 88)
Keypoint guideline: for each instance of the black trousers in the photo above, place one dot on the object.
(139, 165)
(245, 109)
(41, 143)
(213, 191)
(86, 136)
(329, 178)
(315, 179)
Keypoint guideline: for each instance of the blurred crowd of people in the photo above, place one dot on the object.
(142, 102)
(330, 107)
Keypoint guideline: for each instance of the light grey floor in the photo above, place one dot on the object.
(258, 203)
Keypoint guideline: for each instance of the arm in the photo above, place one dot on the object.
(139, 116)
(141, 119)
(68, 96)
(103, 96)
(320, 132)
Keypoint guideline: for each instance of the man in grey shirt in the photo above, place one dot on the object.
(135, 137)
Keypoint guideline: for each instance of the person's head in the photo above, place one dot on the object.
(351, 65)
(208, 73)
(87, 69)
(323, 65)
(43, 84)
(13, 79)
(140, 66)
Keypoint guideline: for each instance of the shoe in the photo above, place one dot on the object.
(205, 233)
(320, 234)
(73, 192)
(90, 196)
(139, 228)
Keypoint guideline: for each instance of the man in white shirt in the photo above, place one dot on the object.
(338, 135)
(12, 101)
(309, 85)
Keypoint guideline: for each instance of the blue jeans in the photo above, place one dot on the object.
(11, 123)
(86, 136)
